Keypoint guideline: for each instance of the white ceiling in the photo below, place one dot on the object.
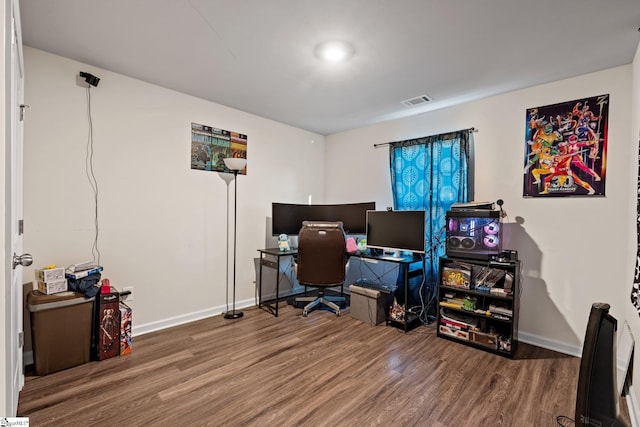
(257, 55)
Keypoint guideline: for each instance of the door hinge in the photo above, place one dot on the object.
(20, 339)
(20, 227)
(22, 108)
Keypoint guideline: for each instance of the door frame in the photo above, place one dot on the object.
(11, 373)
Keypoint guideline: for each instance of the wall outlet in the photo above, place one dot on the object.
(130, 296)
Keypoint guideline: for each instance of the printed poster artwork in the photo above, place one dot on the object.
(566, 148)
(210, 146)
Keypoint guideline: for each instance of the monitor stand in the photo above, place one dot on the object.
(395, 254)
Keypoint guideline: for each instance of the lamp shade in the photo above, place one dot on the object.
(235, 163)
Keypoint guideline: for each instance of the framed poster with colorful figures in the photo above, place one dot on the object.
(566, 148)
(210, 146)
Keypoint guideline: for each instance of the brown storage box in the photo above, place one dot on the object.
(489, 340)
(369, 305)
(60, 329)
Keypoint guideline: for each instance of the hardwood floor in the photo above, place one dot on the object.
(320, 370)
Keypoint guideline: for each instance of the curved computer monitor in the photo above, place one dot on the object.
(396, 230)
(597, 397)
(287, 218)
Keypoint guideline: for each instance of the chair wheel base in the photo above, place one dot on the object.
(333, 303)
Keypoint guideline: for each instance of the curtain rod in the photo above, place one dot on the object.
(472, 129)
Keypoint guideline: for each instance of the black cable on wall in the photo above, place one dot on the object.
(92, 81)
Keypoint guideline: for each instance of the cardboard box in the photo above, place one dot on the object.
(106, 335)
(50, 274)
(488, 340)
(454, 332)
(125, 329)
(369, 305)
(53, 287)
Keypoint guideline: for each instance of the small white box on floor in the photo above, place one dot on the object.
(369, 305)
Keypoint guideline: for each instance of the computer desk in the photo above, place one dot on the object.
(411, 319)
(405, 262)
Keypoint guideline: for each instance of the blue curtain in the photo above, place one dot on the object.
(430, 174)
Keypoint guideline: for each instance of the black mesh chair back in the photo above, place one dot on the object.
(321, 261)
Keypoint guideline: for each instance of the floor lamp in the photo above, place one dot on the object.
(227, 178)
(235, 165)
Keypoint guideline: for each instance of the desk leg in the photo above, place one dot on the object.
(406, 296)
(260, 283)
(277, 286)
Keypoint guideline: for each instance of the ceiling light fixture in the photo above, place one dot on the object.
(334, 51)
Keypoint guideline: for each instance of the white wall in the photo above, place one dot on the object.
(572, 249)
(162, 225)
(631, 313)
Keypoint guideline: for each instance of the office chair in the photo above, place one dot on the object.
(321, 262)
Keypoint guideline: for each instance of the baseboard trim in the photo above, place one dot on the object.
(549, 344)
(146, 328)
(170, 322)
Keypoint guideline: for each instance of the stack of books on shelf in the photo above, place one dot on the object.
(485, 278)
(500, 312)
(456, 325)
(466, 328)
(452, 301)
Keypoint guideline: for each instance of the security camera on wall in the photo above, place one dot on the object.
(89, 79)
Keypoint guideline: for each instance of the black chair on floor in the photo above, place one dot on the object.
(321, 263)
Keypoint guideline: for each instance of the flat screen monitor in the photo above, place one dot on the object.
(396, 230)
(287, 217)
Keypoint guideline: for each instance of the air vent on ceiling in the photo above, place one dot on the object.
(416, 101)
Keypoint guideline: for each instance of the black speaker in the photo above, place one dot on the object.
(597, 398)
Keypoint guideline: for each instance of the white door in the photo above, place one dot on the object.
(14, 330)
